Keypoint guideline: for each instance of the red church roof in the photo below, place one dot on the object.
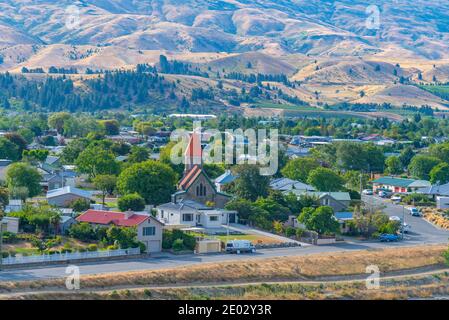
(111, 217)
(194, 146)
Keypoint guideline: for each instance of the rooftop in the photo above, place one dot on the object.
(120, 219)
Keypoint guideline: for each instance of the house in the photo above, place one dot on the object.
(65, 224)
(63, 197)
(338, 201)
(14, 205)
(400, 185)
(442, 202)
(195, 185)
(286, 184)
(343, 218)
(149, 229)
(51, 164)
(52, 181)
(12, 224)
(194, 214)
(436, 190)
(224, 180)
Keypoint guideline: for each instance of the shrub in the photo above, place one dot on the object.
(80, 205)
(178, 245)
(446, 256)
(92, 247)
(132, 202)
(290, 231)
(299, 232)
(113, 247)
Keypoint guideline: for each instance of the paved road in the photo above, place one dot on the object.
(422, 233)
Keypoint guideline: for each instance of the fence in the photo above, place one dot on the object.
(70, 256)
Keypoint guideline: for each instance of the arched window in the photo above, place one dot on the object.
(204, 190)
(198, 190)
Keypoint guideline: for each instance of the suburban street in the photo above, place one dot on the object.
(422, 233)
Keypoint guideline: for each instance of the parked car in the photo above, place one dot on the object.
(388, 237)
(395, 218)
(240, 246)
(414, 212)
(367, 192)
(396, 198)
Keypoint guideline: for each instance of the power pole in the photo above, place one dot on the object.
(1, 243)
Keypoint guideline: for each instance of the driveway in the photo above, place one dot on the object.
(422, 232)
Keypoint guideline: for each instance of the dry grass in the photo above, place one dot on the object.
(436, 217)
(286, 268)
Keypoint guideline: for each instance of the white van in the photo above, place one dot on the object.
(239, 246)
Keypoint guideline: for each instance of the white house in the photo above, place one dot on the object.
(63, 197)
(194, 214)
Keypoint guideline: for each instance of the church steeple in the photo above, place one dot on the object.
(193, 155)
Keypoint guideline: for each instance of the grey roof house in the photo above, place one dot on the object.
(286, 184)
(63, 197)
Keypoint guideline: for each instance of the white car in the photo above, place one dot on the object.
(240, 246)
(396, 198)
(405, 227)
(395, 218)
(367, 192)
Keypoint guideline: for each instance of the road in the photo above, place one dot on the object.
(422, 233)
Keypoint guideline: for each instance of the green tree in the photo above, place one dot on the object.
(95, 160)
(299, 169)
(57, 120)
(153, 180)
(80, 205)
(440, 173)
(138, 154)
(352, 179)
(440, 151)
(324, 179)
(106, 183)
(421, 165)
(110, 127)
(132, 201)
(250, 184)
(23, 175)
(406, 156)
(9, 150)
(393, 165)
(321, 220)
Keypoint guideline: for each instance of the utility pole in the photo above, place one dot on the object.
(1, 243)
(403, 222)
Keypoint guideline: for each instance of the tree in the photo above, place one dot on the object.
(57, 120)
(321, 220)
(95, 160)
(4, 197)
(440, 174)
(132, 201)
(138, 154)
(106, 183)
(406, 156)
(80, 205)
(110, 127)
(352, 179)
(73, 149)
(324, 179)
(9, 150)
(394, 165)
(23, 175)
(18, 140)
(299, 169)
(250, 184)
(152, 180)
(440, 151)
(421, 165)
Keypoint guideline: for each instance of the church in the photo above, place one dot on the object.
(195, 185)
(197, 201)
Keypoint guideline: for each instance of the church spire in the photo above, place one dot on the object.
(193, 155)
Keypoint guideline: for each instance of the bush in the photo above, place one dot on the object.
(9, 237)
(169, 237)
(80, 205)
(299, 232)
(133, 202)
(113, 247)
(290, 231)
(92, 247)
(446, 256)
(416, 197)
(178, 245)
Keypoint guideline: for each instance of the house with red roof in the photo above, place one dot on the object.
(149, 229)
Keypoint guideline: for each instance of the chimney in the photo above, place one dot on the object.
(128, 214)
